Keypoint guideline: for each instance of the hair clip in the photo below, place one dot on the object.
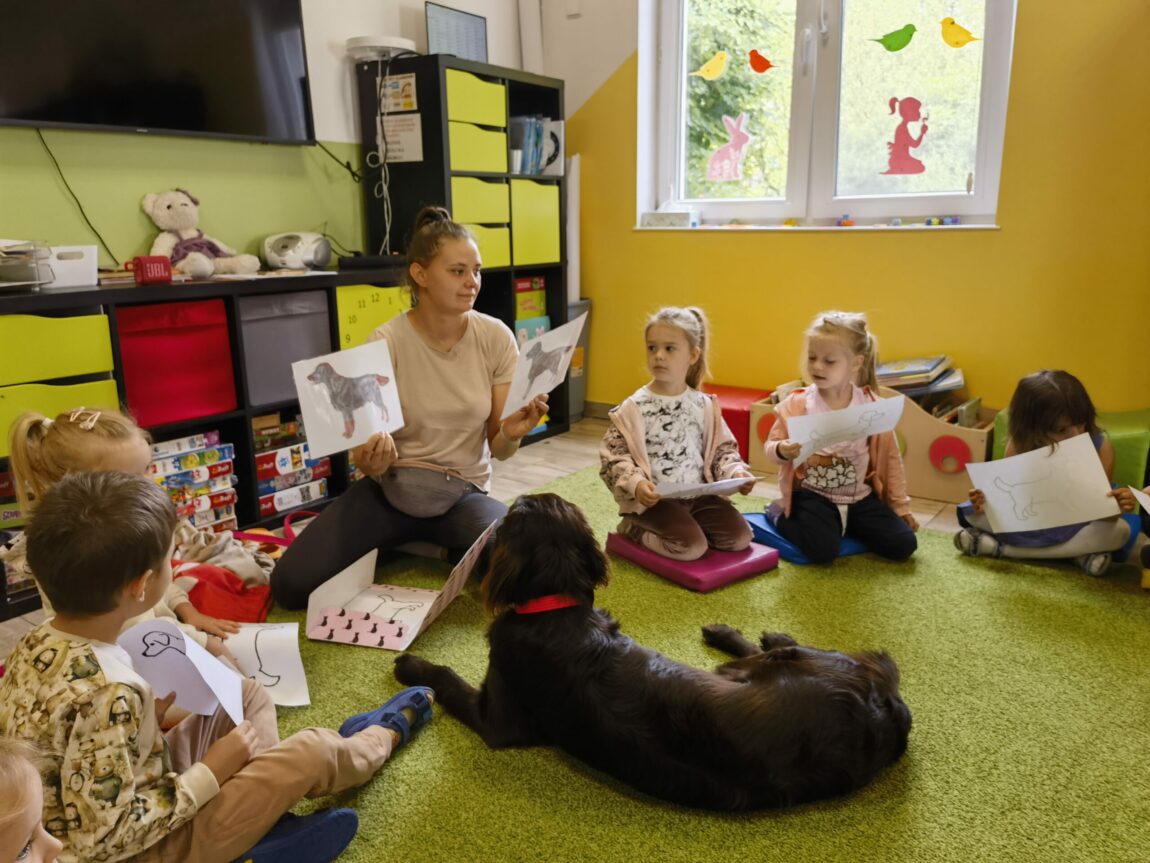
(46, 423)
(87, 423)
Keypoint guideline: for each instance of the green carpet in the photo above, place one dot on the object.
(1028, 685)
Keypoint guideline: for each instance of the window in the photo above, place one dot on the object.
(758, 111)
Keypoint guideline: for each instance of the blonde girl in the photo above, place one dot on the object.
(856, 488)
(43, 450)
(668, 431)
(22, 834)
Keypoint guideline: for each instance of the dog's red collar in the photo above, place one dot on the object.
(546, 603)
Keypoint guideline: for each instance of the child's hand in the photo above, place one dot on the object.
(216, 647)
(789, 450)
(977, 499)
(1126, 500)
(376, 455)
(747, 487)
(228, 755)
(645, 493)
(162, 705)
(190, 615)
(911, 522)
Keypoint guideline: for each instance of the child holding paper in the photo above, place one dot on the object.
(1049, 407)
(856, 488)
(669, 431)
(115, 785)
(45, 449)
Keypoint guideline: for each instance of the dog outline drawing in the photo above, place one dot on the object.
(1024, 497)
(347, 394)
(778, 725)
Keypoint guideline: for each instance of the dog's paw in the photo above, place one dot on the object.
(719, 634)
(411, 670)
(771, 640)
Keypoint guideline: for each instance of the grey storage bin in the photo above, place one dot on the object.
(278, 330)
(577, 375)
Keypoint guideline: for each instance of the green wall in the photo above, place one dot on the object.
(246, 190)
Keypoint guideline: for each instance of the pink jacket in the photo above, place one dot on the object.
(623, 452)
(885, 473)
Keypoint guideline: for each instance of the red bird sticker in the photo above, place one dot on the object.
(759, 63)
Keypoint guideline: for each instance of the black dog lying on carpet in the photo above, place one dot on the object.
(777, 726)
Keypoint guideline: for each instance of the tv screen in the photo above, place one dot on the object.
(215, 68)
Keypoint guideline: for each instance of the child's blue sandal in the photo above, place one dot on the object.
(316, 838)
(389, 714)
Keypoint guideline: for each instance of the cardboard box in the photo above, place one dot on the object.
(290, 498)
(762, 419)
(530, 304)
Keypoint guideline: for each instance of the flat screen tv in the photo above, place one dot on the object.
(212, 68)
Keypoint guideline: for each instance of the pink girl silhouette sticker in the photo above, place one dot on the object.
(726, 163)
(900, 159)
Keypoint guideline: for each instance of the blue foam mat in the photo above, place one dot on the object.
(766, 534)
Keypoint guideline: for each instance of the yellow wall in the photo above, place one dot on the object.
(1065, 283)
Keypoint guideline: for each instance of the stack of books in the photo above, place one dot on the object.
(920, 376)
(198, 472)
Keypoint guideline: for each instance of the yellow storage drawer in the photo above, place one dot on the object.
(33, 348)
(470, 99)
(475, 149)
(52, 400)
(476, 200)
(494, 245)
(534, 222)
(362, 308)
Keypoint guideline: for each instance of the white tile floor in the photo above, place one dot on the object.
(538, 464)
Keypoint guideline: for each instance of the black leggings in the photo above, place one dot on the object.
(815, 526)
(362, 519)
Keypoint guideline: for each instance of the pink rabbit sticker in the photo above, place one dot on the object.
(726, 163)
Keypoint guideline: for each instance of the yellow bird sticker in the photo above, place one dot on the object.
(713, 68)
(955, 35)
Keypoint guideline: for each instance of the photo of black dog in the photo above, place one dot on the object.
(779, 725)
(348, 394)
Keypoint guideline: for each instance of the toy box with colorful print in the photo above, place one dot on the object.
(529, 328)
(292, 497)
(189, 460)
(287, 459)
(185, 444)
(320, 470)
(530, 283)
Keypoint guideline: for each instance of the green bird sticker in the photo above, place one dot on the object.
(896, 40)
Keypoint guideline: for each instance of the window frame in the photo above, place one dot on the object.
(814, 125)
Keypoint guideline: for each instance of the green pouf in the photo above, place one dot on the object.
(1031, 738)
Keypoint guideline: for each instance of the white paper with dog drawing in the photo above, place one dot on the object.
(346, 397)
(1047, 487)
(171, 662)
(269, 654)
(350, 609)
(818, 431)
(543, 364)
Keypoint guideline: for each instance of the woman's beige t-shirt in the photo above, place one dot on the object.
(446, 395)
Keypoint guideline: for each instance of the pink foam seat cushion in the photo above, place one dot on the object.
(714, 569)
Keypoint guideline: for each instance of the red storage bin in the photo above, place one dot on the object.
(177, 361)
(735, 403)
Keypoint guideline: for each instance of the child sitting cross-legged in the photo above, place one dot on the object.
(115, 785)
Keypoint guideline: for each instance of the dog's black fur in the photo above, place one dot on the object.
(347, 394)
(779, 725)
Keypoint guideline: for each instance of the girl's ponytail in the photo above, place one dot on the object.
(25, 446)
(868, 374)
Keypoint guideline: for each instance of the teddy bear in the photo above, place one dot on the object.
(176, 214)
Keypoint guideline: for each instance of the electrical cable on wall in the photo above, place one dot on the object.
(51, 155)
(355, 175)
(378, 159)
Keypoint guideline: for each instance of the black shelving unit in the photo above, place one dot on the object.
(235, 426)
(414, 183)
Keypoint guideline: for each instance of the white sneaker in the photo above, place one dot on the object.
(1094, 564)
(977, 543)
